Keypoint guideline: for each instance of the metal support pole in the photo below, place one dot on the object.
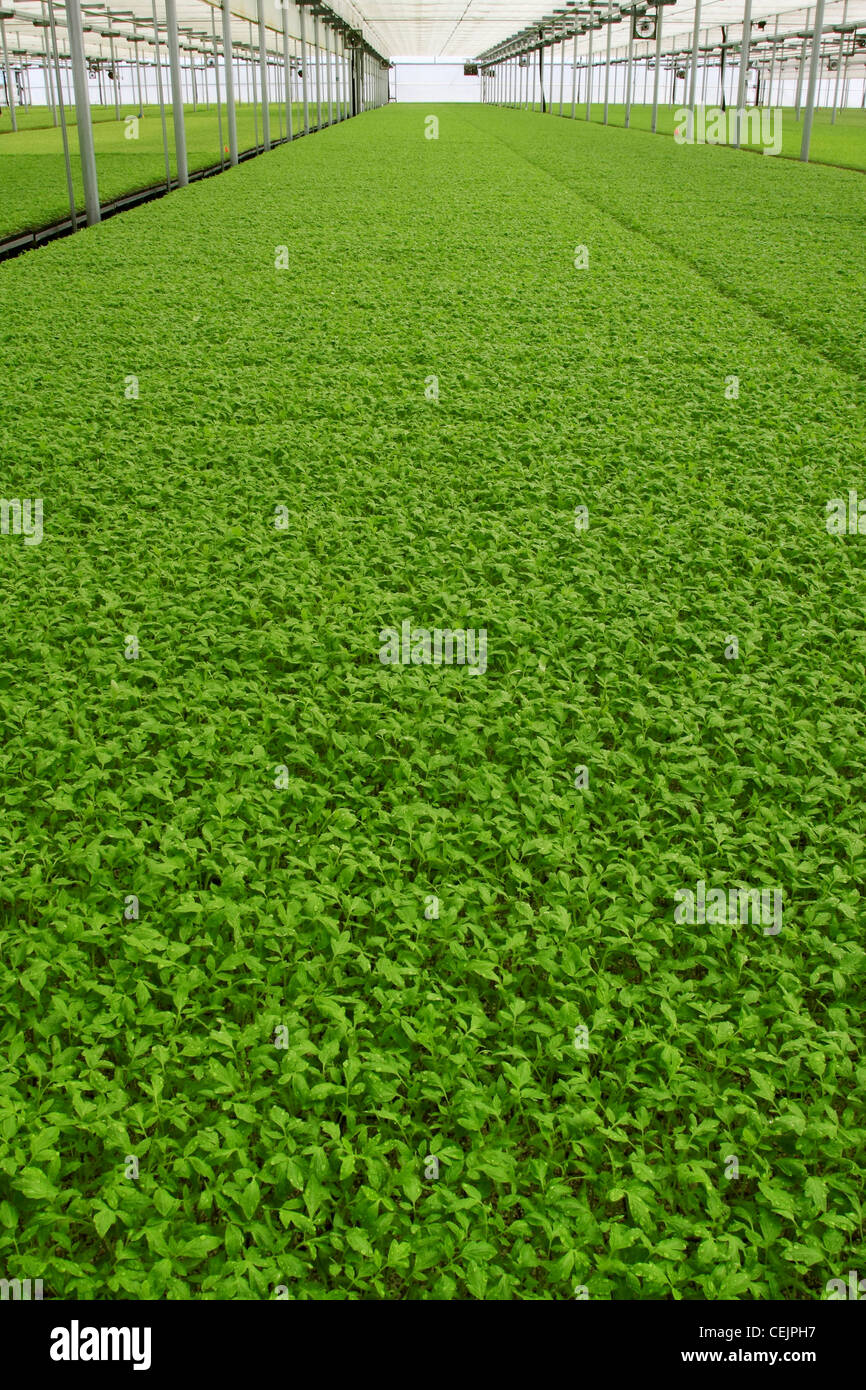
(628, 71)
(138, 80)
(814, 68)
(10, 86)
(216, 70)
(802, 67)
(254, 87)
(263, 65)
(744, 68)
(70, 189)
(562, 70)
(706, 68)
(82, 111)
(303, 10)
(330, 75)
(589, 72)
(318, 71)
(547, 102)
(340, 74)
(161, 96)
(49, 80)
(839, 63)
(114, 79)
(287, 74)
(773, 64)
(693, 86)
(228, 63)
(574, 76)
(607, 59)
(176, 92)
(657, 74)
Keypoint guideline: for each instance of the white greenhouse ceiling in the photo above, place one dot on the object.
(444, 30)
(463, 29)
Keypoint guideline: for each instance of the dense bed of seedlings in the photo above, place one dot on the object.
(314, 939)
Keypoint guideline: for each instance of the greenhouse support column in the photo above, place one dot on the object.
(802, 67)
(228, 64)
(773, 64)
(657, 74)
(318, 71)
(216, 72)
(550, 76)
(176, 92)
(161, 96)
(326, 69)
(338, 74)
(114, 78)
(49, 80)
(192, 80)
(287, 74)
(330, 76)
(607, 58)
(693, 85)
(133, 40)
(254, 87)
(10, 90)
(82, 111)
(629, 71)
(303, 10)
(744, 68)
(839, 63)
(845, 83)
(589, 72)
(70, 189)
(814, 69)
(574, 76)
(562, 70)
(263, 68)
(706, 68)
